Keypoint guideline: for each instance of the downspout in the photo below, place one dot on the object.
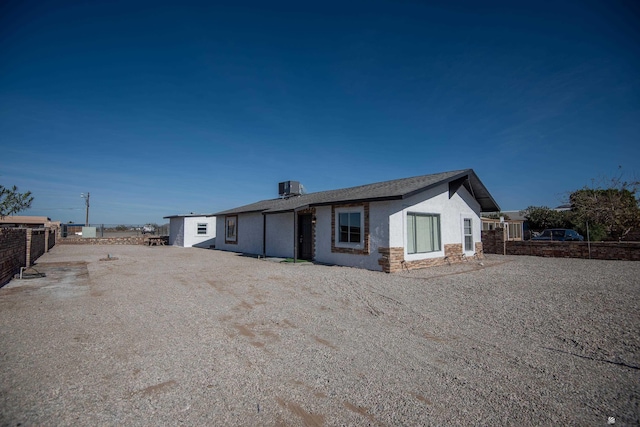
(264, 235)
(295, 236)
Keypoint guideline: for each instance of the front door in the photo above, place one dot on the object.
(305, 237)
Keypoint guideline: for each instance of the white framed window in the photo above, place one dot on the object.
(202, 229)
(349, 227)
(468, 234)
(423, 233)
(231, 229)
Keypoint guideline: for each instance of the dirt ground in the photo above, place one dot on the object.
(142, 335)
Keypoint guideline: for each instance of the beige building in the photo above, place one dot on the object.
(29, 222)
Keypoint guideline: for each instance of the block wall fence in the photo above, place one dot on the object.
(493, 242)
(20, 247)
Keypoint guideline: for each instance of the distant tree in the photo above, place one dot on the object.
(12, 202)
(541, 217)
(121, 228)
(611, 207)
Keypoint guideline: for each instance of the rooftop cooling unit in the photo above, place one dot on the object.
(289, 189)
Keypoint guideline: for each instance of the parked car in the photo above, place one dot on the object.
(559, 235)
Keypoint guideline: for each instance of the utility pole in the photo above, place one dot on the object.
(86, 200)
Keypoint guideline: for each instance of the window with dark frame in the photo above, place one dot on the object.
(231, 229)
(349, 227)
(423, 233)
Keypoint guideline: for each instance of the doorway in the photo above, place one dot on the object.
(305, 236)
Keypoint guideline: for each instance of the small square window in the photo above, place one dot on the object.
(202, 228)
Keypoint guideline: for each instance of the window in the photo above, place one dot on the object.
(423, 233)
(231, 229)
(202, 228)
(468, 235)
(349, 227)
(515, 231)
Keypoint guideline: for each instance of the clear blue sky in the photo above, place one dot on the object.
(160, 108)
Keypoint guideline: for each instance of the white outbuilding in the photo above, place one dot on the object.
(192, 230)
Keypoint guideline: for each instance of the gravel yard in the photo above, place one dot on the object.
(166, 335)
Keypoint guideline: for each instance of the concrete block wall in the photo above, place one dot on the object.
(35, 245)
(494, 244)
(13, 252)
(52, 236)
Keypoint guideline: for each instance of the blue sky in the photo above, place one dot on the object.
(160, 108)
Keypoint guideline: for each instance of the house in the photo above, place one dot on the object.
(387, 226)
(25, 221)
(192, 230)
(514, 226)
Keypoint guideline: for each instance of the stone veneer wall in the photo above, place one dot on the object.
(132, 240)
(392, 259)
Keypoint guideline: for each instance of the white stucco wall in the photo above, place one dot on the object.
(183, 231)
(280, 235)
(249, 234)
(191, 236)
(452, 212)
(387, 226)
(379, 236)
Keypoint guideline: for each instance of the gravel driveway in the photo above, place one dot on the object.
(167, 335)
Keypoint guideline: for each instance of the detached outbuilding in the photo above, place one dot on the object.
(192, 230)
(405, 223)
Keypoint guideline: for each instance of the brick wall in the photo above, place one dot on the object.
(21, 247)
(36, 245)
(492, 241)
(13, 252)
(52, 236)
(493, 244)
(132, 240)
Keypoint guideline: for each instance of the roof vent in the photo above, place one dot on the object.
(288, 189)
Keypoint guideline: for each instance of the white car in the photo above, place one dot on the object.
(148, 229)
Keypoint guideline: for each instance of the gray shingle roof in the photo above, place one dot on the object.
(386, 190)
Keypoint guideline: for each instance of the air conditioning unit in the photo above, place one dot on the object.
(289, 188)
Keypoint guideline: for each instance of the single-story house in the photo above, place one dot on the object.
(387, 226)
(192, 230)
(28, 222)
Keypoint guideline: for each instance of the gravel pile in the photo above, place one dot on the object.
(133, 335)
